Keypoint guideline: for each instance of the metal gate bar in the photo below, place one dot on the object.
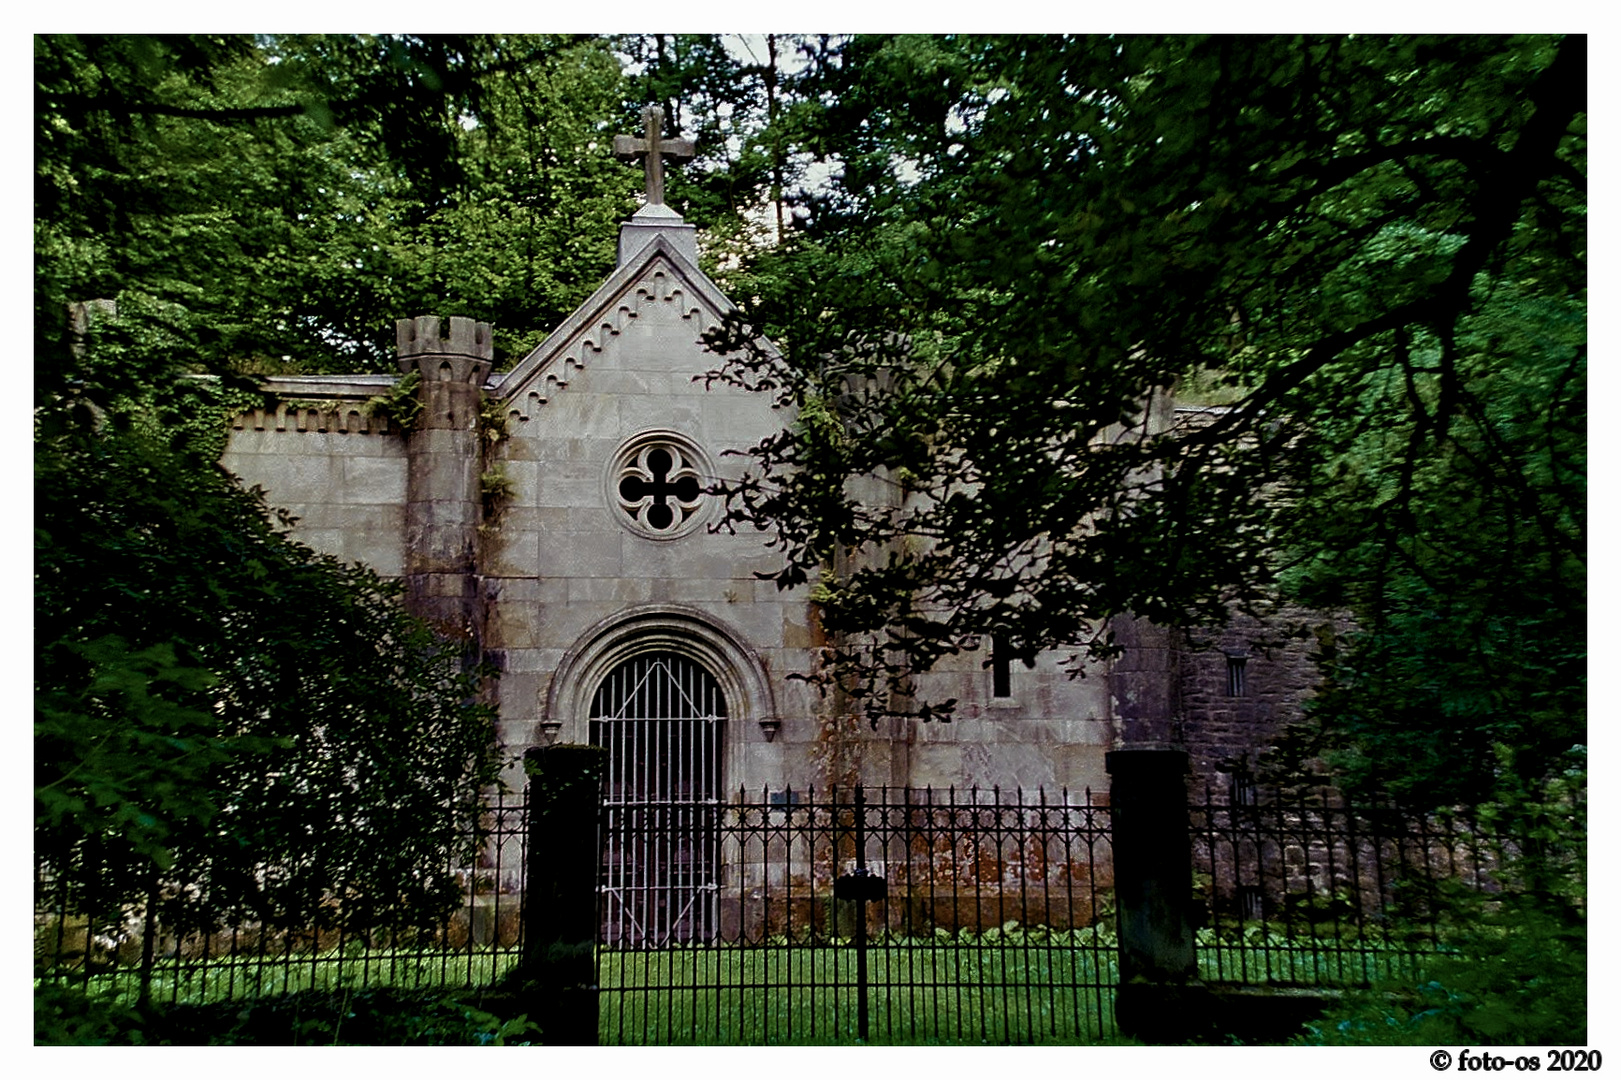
(659, 717)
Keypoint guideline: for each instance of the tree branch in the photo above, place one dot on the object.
(1558, 97)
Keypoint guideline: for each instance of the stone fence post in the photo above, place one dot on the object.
(1153, 881)
(560, 893)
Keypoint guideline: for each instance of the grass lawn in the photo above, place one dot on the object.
(1027, 987)
(917, 993)
(221, 979)
(1024, 987)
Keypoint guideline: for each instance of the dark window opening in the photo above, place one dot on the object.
(1235, 675)
(1001, 676)
(1241, 790)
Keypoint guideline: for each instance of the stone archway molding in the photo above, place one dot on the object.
(658, 628)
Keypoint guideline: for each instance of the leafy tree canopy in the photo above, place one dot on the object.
(285, 199)
(1371, 251)
(225, 722)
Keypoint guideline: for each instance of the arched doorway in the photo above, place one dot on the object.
(566, 707)
(660, 715)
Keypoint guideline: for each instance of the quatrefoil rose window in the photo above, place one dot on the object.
(658, 484)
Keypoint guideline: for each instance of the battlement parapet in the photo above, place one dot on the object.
(465, 352)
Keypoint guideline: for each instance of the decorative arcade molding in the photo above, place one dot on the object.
(345, 417)
(655, 289)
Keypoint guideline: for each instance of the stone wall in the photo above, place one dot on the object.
(1049, 733)
(340, 472)
(565, 571)
(1221, 729)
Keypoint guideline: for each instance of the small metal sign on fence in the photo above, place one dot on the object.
(860, 884)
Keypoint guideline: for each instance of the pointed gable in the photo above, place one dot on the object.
(657, 304)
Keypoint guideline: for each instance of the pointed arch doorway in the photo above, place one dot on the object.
(661, 717)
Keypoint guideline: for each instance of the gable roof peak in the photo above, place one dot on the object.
(658, 273)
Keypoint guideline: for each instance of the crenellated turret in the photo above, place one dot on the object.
(468, 341)
(453, 366)
(443, 503)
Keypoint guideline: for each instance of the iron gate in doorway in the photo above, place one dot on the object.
(659, 716)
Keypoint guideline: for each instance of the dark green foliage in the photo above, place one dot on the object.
(228, 719)
(227, 723)
(287, 198)
(67, 1016)
(530, 229)
(1517, 978)
(402, 404)
(188, 170)
(1372, 247)
(1513, 964)
(1466, 568)
(368, 1017)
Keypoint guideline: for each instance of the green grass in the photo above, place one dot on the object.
(1254, 956)
(1022, 989)
(918, 992)
(194, 982)
(1011, 985)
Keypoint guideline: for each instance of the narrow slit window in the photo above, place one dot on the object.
(1242, 790)
(1236, 666)
(1001, 676)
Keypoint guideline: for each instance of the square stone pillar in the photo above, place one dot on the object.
(1159, 997)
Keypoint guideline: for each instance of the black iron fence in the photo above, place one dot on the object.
(885, 914)
(479, 941)
(1305, 889)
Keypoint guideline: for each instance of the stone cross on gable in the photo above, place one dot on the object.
(653, 148)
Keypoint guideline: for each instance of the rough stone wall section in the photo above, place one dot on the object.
(1227, 724)
(1144, 684)
(1228, 719)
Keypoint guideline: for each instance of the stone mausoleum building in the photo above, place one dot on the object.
(574, 553)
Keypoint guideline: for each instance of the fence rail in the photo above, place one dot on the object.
(1308, 890)
(472, 947)
(893, 915)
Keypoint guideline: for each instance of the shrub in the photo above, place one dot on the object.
(1518, 978)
